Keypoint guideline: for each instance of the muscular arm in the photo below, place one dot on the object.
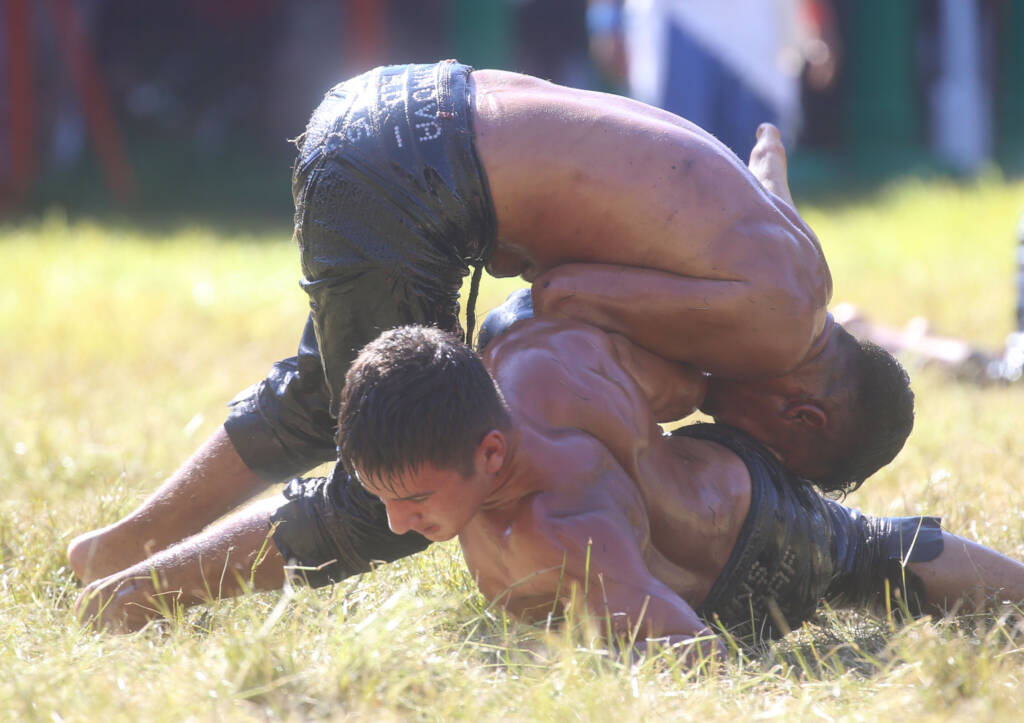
(583, 178)
(234, 556)
(674, 390)
(591, 560)
(723, 327)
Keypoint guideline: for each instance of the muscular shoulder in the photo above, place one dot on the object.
(565, 373)
(548, 539)
(541, 353)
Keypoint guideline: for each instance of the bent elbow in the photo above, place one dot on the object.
(551, 294)
(564, 293)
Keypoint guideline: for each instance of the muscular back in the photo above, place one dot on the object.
(600, 469)
(578, 176)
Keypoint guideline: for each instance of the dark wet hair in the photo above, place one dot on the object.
(882, 414)
(416, 395)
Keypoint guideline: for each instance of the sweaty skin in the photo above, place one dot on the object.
(583, 491)
(675, 245)
(620, 482)
(579, 177)
(580, 490)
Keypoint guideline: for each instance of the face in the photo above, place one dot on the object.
(437, 503)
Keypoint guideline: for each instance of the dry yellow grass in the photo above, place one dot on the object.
(119, 349)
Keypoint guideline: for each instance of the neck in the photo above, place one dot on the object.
(512, 482)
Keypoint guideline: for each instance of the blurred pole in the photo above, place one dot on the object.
(1010, 78)
(368, 38)
(1020, 274)
(481, 32)
(960, 102)
(95, 102)
(881, 112)
(20, 75)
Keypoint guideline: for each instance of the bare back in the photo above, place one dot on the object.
(579, 176)
(584, 176)
(597, 467)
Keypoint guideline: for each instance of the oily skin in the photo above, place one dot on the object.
(581, 490)
(621, 189)
(675, 296)
(526, 532)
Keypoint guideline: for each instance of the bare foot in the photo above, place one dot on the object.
(768, 162)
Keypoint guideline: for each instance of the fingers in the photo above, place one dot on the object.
(114, 605)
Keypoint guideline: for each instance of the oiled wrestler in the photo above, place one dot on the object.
(549, 465)
(627, 217)
(623, 215)
(554, 475)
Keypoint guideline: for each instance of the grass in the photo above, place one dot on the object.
(119, 348)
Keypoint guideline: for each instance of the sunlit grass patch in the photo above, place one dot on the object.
(120, 347)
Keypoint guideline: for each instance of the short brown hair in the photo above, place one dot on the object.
(882, 414)
(416, 395)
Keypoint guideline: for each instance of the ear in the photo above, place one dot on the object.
(806, 413)
(490, 453)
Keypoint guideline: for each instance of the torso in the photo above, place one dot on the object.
(583, 176)
(581, 452)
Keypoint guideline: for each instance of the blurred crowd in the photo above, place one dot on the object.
(138, 91)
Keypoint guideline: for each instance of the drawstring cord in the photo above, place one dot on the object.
(474, 291)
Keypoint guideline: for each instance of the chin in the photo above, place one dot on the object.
(438, 535)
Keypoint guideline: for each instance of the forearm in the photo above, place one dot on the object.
(730, 328)
(234, 556)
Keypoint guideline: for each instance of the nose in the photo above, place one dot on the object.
(401, 518)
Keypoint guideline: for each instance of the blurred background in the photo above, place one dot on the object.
(185, 108)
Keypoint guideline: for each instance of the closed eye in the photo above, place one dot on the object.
(415, 499)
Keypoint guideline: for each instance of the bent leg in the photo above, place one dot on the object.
(212, 482)
(232, 557)
(331, 528)
(968, 576)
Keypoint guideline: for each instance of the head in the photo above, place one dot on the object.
(836, 419)
(423, 426)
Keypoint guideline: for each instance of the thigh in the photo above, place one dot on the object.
(330, 528)
(354, 305)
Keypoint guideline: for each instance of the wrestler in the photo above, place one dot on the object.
(625, 216)
(561, 486)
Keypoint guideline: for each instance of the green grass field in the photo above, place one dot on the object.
(119, 349)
